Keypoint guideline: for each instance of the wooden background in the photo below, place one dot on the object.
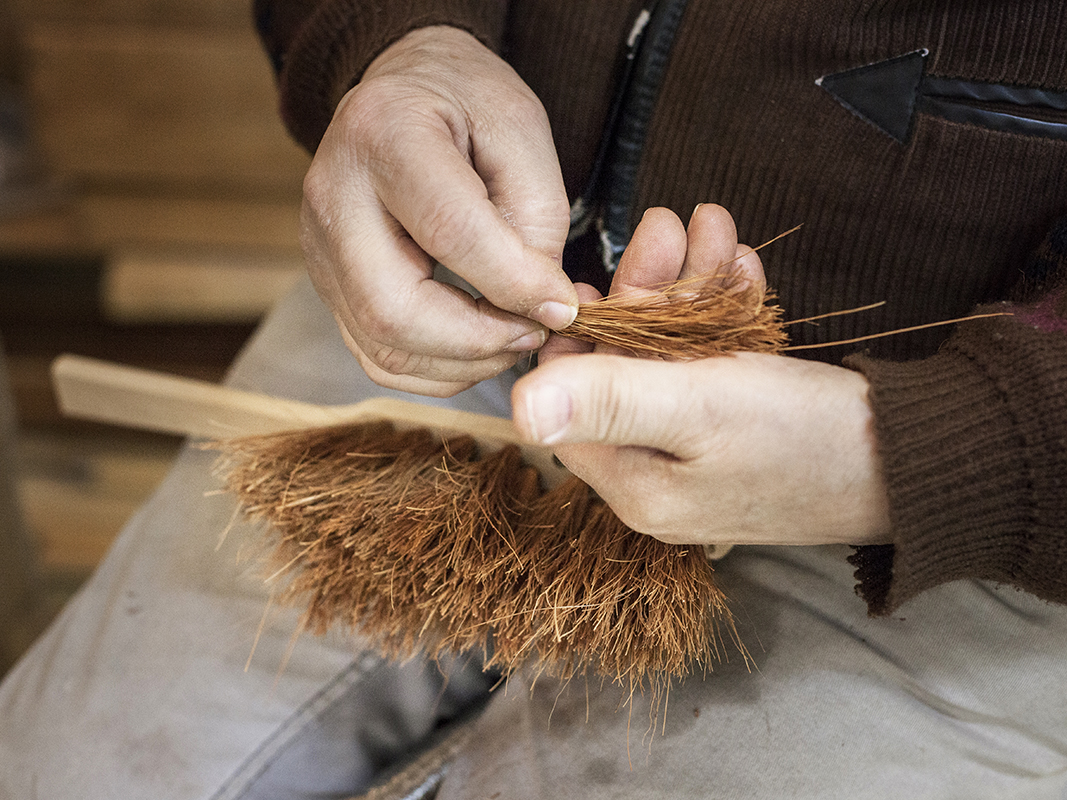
(157, 120)
(161, 224)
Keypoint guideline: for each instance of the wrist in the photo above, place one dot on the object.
(863, 505)
(431, 41)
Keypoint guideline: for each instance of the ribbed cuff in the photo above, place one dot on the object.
(340, 38)
(973, 448)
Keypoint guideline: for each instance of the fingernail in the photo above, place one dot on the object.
(527, 342)
(554, 315)
(548, 412)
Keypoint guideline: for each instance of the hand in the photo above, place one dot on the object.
(441, 153)
(746, 448)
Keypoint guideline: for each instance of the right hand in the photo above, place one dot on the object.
(440, 154)
(748, 448)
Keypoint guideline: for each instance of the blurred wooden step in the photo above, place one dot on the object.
(130, 105)
(156, 219)
(77, 491)
(202, 14)
(191, 287)
(48, 307)
(53, 230)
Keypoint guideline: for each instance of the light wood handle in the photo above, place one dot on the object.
(103, 391)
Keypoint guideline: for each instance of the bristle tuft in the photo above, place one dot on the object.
(685, 320)
(419, 545)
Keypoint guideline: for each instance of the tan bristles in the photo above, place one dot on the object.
(419, 546)
(690, 319)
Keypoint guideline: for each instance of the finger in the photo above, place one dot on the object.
(713, 250)
(606, 399)
(747, 269)
(434, 319)
(389, 363)
(521, 172)
(558, 345)
(385, 357)
(655, 254)
(416, 384)
(445, 205)
(380, 284)
(501, 128)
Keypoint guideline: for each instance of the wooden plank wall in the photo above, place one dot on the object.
(168, 224)
(158, 121)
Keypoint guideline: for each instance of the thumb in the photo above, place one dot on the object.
(605, 399)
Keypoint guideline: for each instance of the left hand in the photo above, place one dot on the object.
(395, 188)
(745, 449)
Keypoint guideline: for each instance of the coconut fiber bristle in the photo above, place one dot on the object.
(418, 544)
(685, 320)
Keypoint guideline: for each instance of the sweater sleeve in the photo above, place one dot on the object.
(320, 48)
(974, 449)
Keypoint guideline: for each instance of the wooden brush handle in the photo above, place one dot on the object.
(103, 391)
(137, 398)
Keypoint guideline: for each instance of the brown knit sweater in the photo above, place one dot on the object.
(951, 212)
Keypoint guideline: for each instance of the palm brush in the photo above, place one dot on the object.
(431, 529)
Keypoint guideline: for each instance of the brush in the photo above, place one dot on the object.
(429, 529)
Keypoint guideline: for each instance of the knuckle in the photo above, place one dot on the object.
(316, 185)
(315, 208)
(314, 192)
(376, 116)
(395, 361)
(449, 230)
(614, 412)
(390, 368)
(371, 123)
(521, 108)
(373, 371)
(364, 107)
(380, 324)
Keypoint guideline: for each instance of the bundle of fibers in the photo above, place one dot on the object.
(420, 543)
(685, 320)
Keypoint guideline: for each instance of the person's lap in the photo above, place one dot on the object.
(958, 696)
(140, 689)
